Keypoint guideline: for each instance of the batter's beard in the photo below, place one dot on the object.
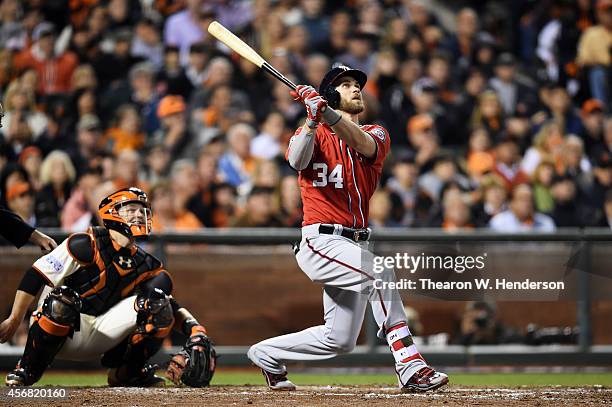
(351, 106)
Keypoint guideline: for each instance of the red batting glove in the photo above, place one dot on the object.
(315, 104)
(301, 92)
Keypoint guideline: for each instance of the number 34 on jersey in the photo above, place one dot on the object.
(325, 177)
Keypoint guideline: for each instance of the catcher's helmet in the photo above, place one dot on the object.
(327, 89)
(116, 215)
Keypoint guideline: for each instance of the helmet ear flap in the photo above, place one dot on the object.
(332, 96)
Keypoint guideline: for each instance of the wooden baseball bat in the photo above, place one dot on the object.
(241, 48)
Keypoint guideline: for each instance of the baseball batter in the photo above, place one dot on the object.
(104, 297)
(339, 164)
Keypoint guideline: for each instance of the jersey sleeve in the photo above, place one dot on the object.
(383, 144)
(56, 265)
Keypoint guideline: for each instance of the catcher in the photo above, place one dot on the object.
(106, 297)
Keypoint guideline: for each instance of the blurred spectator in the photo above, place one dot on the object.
(559, 108)
(266, 174)
(172, 78)
(13, 34)
(20, 199)
(542, 182)
(126, 134)
(202, 203)
(480, 159)
(115, 58)
(594, 53)
(488, 114)
(592, 118)
(602, 151)
(79, 211)
(259, 211)
(187, 27)
(339, 30)
(290, 201)
(237, 165)
(547, 144)
(57, 175)
(456, 213)
(423, 138)
(88, 142)
(167, 213)
(569, 210)
(403, 183)
(31, 160)
(157, 161)
(196, 65)
(573, 160)
(507, 166)
(494, 196)
(444, 170)
(267, 145)
(515, 96)
(140, 91)
(126, 170)
(55, 67)
(521, 216)
(20, 107)
(173, 134)
(147, 43)
(380, 209)
(183, 178)
(224, 204)
(462, 44)
(359, 55)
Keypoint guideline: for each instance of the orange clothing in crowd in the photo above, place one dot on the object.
(480, 162)
(184, 221)
(123, 140)
(54, 75)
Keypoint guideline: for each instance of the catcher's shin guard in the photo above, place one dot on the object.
(56, 321)
(128, 359)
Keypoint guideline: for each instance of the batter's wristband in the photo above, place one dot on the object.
(331, 116)
(311, 124)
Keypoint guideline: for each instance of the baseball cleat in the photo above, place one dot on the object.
(147, 378)
(278, 382)
(424, 380)
(17, 377)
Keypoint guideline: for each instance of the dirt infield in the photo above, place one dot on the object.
(329, 396)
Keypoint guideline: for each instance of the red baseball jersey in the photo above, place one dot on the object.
(338, 183)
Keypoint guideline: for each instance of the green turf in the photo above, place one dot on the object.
(463, 379)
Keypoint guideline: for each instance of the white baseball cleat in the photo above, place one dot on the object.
(424, 380)
(278, 382)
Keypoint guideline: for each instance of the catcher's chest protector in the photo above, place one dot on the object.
(112, 275)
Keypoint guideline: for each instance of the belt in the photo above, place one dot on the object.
(356, 235)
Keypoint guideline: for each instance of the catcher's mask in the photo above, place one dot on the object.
(327, 88)
(128, 212)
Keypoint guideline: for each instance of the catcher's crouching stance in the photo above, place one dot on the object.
(108, 298)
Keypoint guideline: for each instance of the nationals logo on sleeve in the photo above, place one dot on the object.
(378, 132)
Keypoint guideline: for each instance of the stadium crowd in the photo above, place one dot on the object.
(499, 112)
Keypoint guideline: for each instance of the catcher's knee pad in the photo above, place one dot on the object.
(60, 313)
(155, 316)
(56, 320)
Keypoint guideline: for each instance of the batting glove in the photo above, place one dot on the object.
(314, 104)
(301, 92)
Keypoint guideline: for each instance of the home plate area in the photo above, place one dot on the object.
(332, 396)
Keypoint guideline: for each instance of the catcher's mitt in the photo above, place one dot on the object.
(195, 364)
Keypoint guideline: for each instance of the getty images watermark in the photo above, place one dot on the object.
(447, 273)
